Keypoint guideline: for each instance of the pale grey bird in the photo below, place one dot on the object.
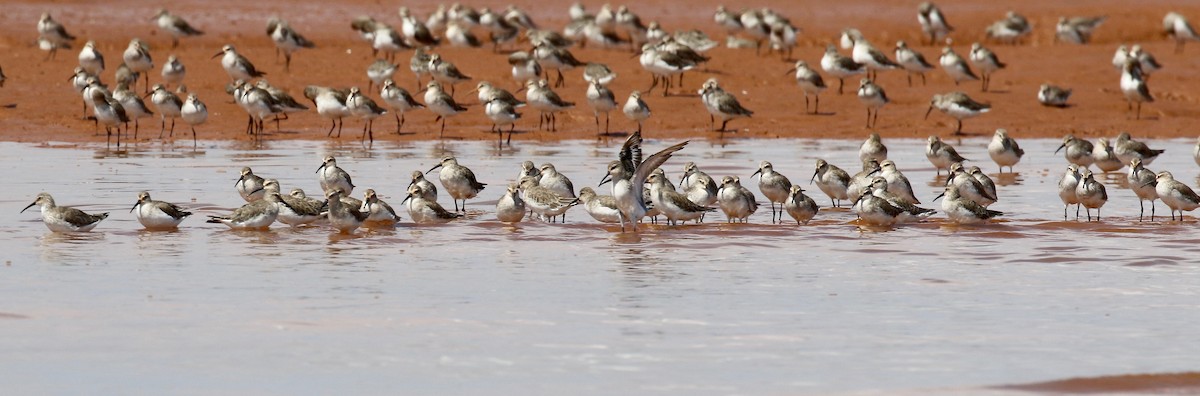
(63, 218)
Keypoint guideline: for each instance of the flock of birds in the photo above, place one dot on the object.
(879, 194)
(666, 56)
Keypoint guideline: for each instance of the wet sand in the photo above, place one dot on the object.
(39, 105)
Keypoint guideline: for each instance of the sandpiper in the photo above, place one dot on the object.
(167, 105)
(636, 109)
(295, 209)
(879, 188)
(603, 208)
(52, 35)
(108, 111)
(1147, 62)
(867, 55)
(236, 65)
(989, 186)
(366, 27)
(897, 183)
(158, 215)
(1078, 151)
(873, 148)
(487, 92)
(550, 178)
(1142, 181)
(250, 185)
(511, 207)
(333, 177)
(1176, 195)
(736, 201)
(426, 211)
(543, 201)
(1104, 157)
(955, 66)
(364, 108)
(441, 104)
(1010, 29)
(1091, 194)
(379, 71)
(941, 155)
(601, 100)
(137, 58)
(876, 211)
(135, 108)
(874, 98)
(662, 64)
(800, 206)
(774, 186)
(1067, 186)
(840, 66)
(501, 112)
(986, 61)
(1177, 26)
(810, 82)
(1004, 150)
(832, 181)
(524, 67)
(699, 186)
(193, 112)
(970, 187)
(256, 215)
(558, 59)
(1133, 85)
(1076, 30)
(343, 217)
(863, 178)
(721, 104)
(445, 72)
(259, 105)
(175, 26)
(628, 176)
(731, 21)
(964, 211)
(428, 190)
(672, 204)
(90, 58)
(62, 218)
(599, 73)
(417, 33)
(458, 181)
(933, 22)
(1127, 149)
(539, 96)
(419, 64)
(912, 61)
(287, 40)
(957, 105)
(398, 101)
(330, 103)
(173, 71)
(1053, 96)
(388, 40)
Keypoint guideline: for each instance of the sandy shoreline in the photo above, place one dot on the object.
(37, 103)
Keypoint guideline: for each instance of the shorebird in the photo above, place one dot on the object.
(488, 92)
(175, 26)
(387, 40)
(524, 67)
(426, 211)
(134, 107)
(810, 82)
(173, 71)
(511, 207)
(873, 97)
(441, 104)
(636, 109)
(445, 72)
(399, 101)
(1104, 157)
(193, 112)
(731, 21)
(158, 215)
(295, 209)
(673, 205)
(257, 215)
(986, 61)
(1119, 58)
(419, 64)
(1053, 96)
(365, 26)
(863, 178)
(912, 61)
(52, 35)
(601, 100)
(873, 148)
(840, 66)
(1176, 195)
(365, 108)
(663, 63)
(1091, 194)
(1147, 62)
(876, 211)
(970, 187)
(722, 104)
(379, 71)
(879, 188)
(955, 66)
(1067, 186)
(1010, 29)
(941, 155)
(1078, 151)
(137, 58)
(236, 65)
(330, 103)
(1004, 150)
(832, 181)
(333, 177)
(799, 206)
(897, 183)
(1142, 181)
(599, 73)
(259, 104)
(989, 186)
(90, 59)
(418, 33)
(1133, 85)
(933, 22)
(502, 113)
(628, 176)
(737, 202)
(62, 218)
(550, 178)
(558, 59)
(699, 186)
(603, 208)
(545, 202)
(458, 181)
(108, 111)
(964, 211)
(773, 185)
(867, 55)
(1076, 30)
(459, 35)
(428, 190)
(249, 185)
(1177, 26)
(957, 105)
(286, 40)
(343, 217)
(503, 29)
(167, 105)
(539, 96)
(1127, 149)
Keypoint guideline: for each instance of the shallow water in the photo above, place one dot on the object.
(476, 307)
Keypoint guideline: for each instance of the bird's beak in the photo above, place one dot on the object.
(756, 173)
(218, 54)
(606, 179)
(939, 196)
(135, 205)
(789, 71)
(406, 197)
(522, 89)
(410, 184)
(873, 172)
(810, 181)
(476, 89)
(928, 111)
(434, 167)
(320, 168)
(239, 180)
(1151, 183)
(1060, 148)
(30, 206)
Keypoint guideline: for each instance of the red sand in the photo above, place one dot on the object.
(39, 104)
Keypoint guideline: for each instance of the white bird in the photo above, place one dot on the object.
(1067, 187)
(90, 59)
(1176, 195)
(511, 207)
(1091, 194)
(63, 218)
(441, 104)
(1142, 181)
(1133, 85)
(840, 66)
(330, 103)
(957, 105)
(236, 65)
(158, 215)
(399, 101)
(811, 83)
(601, 100)
(912, 61)
(955, 66)
(333, 177)
(175, 26)
(628, 176)
(1177, 26)
(874, 98)
(1004, 150)
(137, 58)
(52, 35)
(458, 181)
(933, 22)
(635, 109)
(287, 40)
(986, 61)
